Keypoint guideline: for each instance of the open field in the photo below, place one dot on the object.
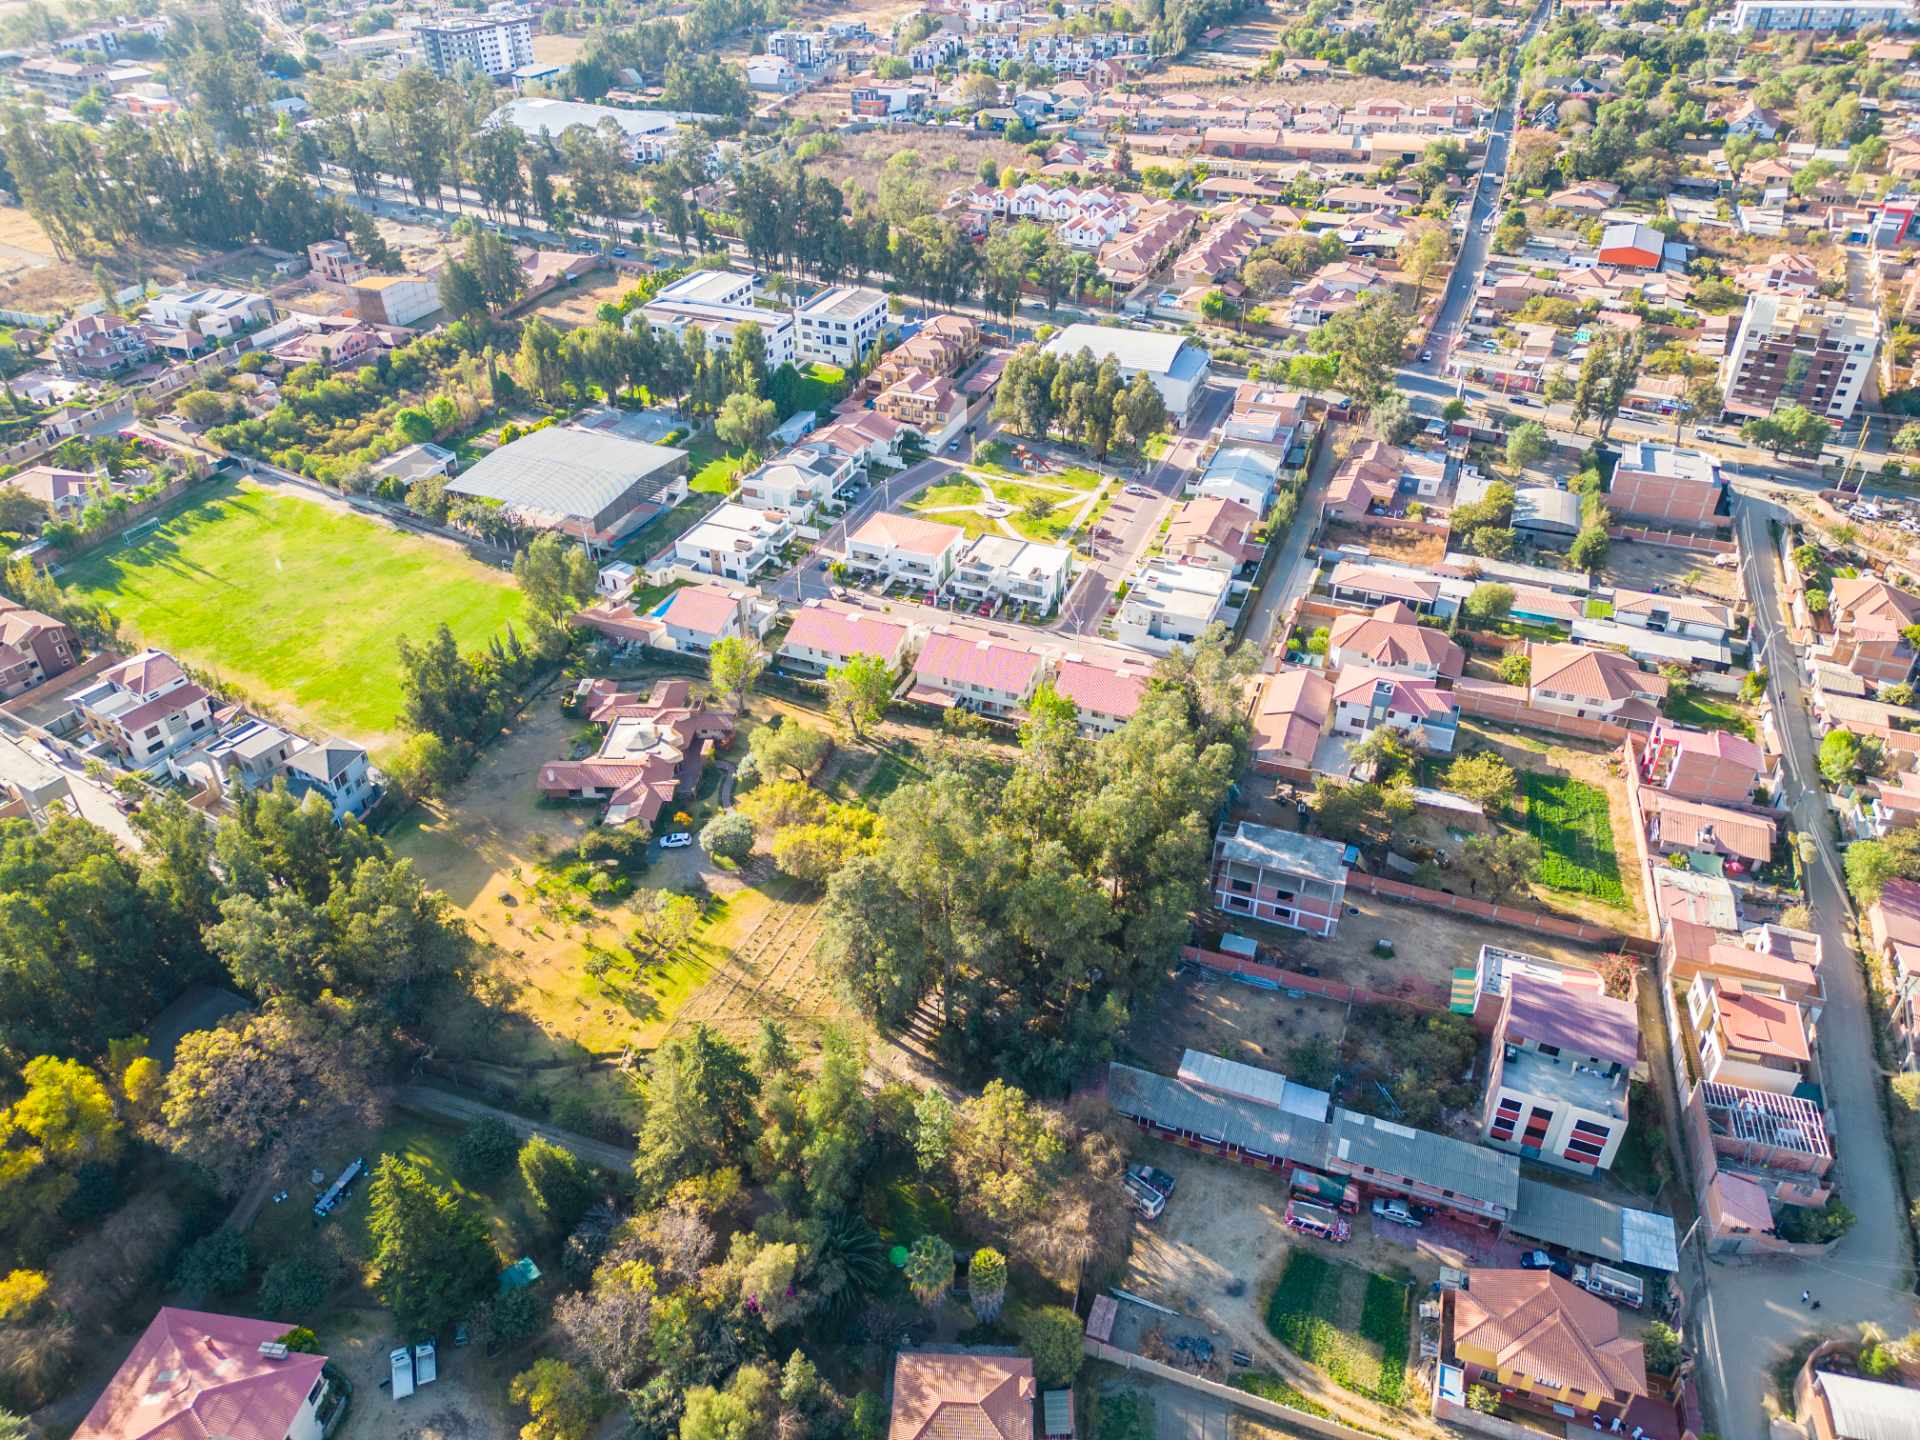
(31, 278)
(1403, 547)
(572, 306)
(297, 602)
(946, 158)
(558, 49)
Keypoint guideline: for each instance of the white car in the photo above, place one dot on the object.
(1138, 490)
(679, 840)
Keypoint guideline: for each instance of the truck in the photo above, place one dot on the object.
(1147, 1200)
(1396, 1211)
(1324, 1190)
(1311, 1219)
(402, 1361)
(1622, 1287)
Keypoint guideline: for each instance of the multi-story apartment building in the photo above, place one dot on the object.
(1563, 1059)
(1795, 350)
(493, 43)
(1673, 487)
(920, 553)
(1816, 15)
(841, 324)
(1280, 876)
(719, 302)
(33, 648)
(335, 261)
(1893, 926)
(945, 345)
(924, 402)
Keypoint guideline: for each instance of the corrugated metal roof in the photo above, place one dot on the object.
(565, 471)
(1589, 1225)
(1490, 1177)
(1250, 1082)
(1871, 1410)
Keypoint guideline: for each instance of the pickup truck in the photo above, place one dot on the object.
(1397, 1212)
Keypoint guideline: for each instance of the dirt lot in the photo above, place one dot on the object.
(1404, 547)
(1634, 566)
(32, 279)
(558, 49)
(578, 304)
(467, 1402)
(315, 301)
(948, 158)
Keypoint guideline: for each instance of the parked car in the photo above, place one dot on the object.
(1138, 490)
(1158, 1179)
(1147, 1200)
(1541, 1260)
(1396, 1212)
(679, 840)
(1426, 357)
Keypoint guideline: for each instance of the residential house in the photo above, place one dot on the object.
(1753, 121)
(1265, 415)
(1893, 926)
(99, 346)
(652, 752)
(888, 102)
(1377, 585)
(1214, 534)
(1390, 639)
(332, 344)
(940, 1395)
(1593, 684)
(1713, 766)
(144, 709)
(1589, 197)
(690, 621)
(1673, 614)
(593, 486)
(1541, 1342)
(395, 299)
(1290, 709)
(1424, 712)
(33, 648)
(824, 637)
(65, 493)
(192, 1373)
(944, 345)
(1280, 876)
(795, 484)
(919, 553)
(772, 73)
(218, 314)
(1001, 569)
(1562, 1061)
(1747, 1039)
(1654, 482)
(1245, 476)
(336, 770)
(927, 403)
(1787, 272)
(334, 261)
(1692, 827)
(1105, 696)
(414, 462)
(1169, 604)
(959, 668)
(866, 437)
(1870, 619)
(735, 541)
(1765, 959)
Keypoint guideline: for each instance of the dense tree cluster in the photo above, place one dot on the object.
(1078, 399)
(1033, 909)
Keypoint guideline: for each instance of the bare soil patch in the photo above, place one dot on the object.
(1634, 565)
(1404, 547)
(572, 306)
(947, 158)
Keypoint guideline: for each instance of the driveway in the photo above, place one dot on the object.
(1750, 1315)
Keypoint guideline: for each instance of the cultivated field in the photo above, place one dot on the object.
(295, 602)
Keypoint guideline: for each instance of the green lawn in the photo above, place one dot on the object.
(1016, 489)
(1368, 1353)
(1708, 712)
(295, 602)
(710, 465)
(1570, 820)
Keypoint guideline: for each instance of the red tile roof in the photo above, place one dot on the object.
(1591, 674)
(1535, 1323)
(1391, 639)
(1101, 688)
(703, 609)
(906, 532)
(1761, 1024)
(962, 1397)
(1688, 823)
(195, 1376)
(952, 660)
(844, 632)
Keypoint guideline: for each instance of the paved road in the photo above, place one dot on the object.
(1291, 574)
(1751, 1313)
(429, 1101)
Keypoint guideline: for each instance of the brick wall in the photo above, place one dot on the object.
(1507, 705)
(1577, 931)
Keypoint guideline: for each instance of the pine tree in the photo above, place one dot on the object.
(432, 1255)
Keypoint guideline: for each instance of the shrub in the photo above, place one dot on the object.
(728, 836)
(558, 1180)
(1051, 1334)
(215, 1264)
(298, 1285)
(486, 1150)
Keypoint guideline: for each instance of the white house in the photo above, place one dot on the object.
(719, 302)
(736, 541)
(975, 672)
(1170, 604)
(218, 314)
(1365, 699)
(795, 484)
(902, 547)
(1018, 572)
(824, 636)
(1177, 366)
